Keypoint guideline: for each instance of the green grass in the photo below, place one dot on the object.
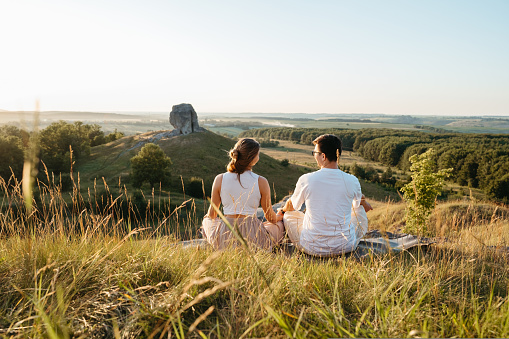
(71, 270)
(230, 131)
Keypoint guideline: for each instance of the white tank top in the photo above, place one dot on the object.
(239, 199)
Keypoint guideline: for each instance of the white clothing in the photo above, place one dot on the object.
(264, 235)
(240, 197)
(331, 197)
(293, 224)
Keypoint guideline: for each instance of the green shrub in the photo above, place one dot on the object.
(150, 165)
(269, 143)
(195, 188)
(420, 194)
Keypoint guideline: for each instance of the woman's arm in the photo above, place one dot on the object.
(215, 198)
(270, 215)
(365, 204)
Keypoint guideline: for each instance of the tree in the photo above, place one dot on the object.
(388, 178)
(114, 136)
(57, 140)
(358, 171)
(150, 165)
(12, 140)
(420, 194)
(11, 157)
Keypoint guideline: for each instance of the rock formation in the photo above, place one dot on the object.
(185, 120)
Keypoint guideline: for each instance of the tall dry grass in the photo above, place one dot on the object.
(80, 266)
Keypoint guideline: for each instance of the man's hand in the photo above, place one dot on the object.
(288, 207)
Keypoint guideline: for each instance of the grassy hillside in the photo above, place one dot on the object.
(447, 219)
(202, 155)
(90, 276)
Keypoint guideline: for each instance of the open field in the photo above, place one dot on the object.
(300, 154)
(357, 121)
(99, 273)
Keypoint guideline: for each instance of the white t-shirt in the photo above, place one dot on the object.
(240, 197)
(329, 195)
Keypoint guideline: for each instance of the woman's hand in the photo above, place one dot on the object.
(279, 214)
(365, 204)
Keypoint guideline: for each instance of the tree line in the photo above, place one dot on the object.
(55, 144)
(478, 160)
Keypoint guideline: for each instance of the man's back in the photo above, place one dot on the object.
(328, 194)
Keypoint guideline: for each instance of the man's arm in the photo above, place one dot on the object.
(288, 207)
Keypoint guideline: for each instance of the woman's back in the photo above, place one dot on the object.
(240, 197)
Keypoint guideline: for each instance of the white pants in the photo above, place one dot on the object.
(263, 235)
(293, 222)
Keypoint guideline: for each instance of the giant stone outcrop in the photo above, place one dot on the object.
(184, 119)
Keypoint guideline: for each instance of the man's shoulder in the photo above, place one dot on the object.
(306, 176)
(350, 177)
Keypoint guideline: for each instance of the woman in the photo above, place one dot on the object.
(241, 191)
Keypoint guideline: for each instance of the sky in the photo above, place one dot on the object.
(318, 56)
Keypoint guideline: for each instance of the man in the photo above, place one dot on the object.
(335, 218)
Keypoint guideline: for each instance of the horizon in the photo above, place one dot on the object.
(263, 113)
(365, 57)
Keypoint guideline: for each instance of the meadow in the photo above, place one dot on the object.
(75, 270)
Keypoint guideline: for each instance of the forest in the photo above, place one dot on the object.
(55, 142)
(478, 160)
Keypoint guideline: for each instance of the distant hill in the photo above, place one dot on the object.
(80, 116)
(200, 155)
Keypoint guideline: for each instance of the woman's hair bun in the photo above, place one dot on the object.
(234, 154)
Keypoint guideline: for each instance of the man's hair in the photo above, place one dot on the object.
(330, 145)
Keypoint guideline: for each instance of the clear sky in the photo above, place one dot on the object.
(316, 56)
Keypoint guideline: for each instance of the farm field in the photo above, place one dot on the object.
(354, 121)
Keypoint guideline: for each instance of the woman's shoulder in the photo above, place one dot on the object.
(219, 177)
(261, 179)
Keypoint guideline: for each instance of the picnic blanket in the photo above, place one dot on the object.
(374, 242)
